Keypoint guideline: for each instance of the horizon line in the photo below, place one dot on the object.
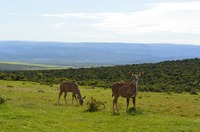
(145, 43)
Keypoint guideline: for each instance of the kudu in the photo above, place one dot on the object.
(70, 87)
(127, 90)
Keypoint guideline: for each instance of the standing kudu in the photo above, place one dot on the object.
(70, 87)
(126, 90)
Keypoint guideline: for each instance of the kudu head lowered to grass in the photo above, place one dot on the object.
(126, 90)
(66, 87)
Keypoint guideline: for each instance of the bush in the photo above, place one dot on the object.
(179, 90)
(94, 105)
(2, 100)
(134, 111)
(193, 92)
(41, 91)
(10, 86)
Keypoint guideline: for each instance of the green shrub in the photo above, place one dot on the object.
(134, 111)
(10, 86)
(2, 100)
(193, 92)
(94, 105)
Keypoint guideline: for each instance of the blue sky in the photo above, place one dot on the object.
(129, 21)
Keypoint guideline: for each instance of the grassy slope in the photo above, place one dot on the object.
(24, 66)
(28, 109)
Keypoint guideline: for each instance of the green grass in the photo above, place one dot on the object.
(28, 109)
(4, 65)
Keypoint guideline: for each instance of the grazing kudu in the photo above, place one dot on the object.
(70, 87)
(127, 90)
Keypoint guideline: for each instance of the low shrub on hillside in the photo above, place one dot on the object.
(134, 111)
(10, 86)
(193, 92)
(94, 105)
(2, 100)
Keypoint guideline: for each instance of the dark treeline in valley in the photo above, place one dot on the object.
(169, 76)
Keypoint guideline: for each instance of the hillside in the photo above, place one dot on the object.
(7, 66)
(169, 76)
(93, 54)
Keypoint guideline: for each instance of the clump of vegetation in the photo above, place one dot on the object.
(193, 92)
(134, 111)
(140, 97)
(2, 100)
(10, 86)
(94, 105)
(41, 91)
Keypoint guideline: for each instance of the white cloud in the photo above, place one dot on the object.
(163, 17)
(71, 15)
(159, 18)
(174, 17)
(176, 6)
(59, 25)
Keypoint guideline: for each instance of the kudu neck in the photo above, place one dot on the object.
(134, 81)
(79, 94)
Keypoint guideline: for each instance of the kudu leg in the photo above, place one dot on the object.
(59, 97)
(127, 102)
(115, 104)
(72, 99)
(65, 95)
(134, 101)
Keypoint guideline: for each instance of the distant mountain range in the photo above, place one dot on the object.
(83, 54)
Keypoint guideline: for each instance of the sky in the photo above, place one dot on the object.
(128, 21)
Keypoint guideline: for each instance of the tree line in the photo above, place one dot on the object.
(168, 76)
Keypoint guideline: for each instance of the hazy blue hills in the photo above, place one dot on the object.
(93, 54)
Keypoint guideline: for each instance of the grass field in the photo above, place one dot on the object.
(32, 107)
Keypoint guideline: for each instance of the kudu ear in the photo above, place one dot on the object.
(84, 97)
(141, 73)
(130, 73)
